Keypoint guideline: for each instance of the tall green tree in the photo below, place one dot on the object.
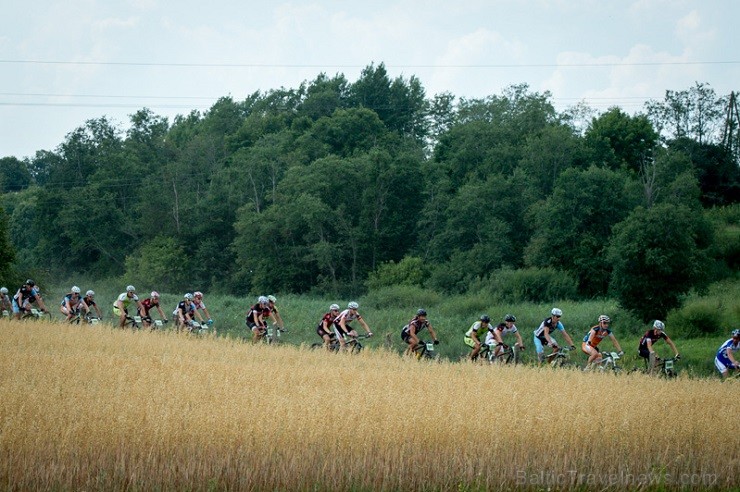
(658, 254)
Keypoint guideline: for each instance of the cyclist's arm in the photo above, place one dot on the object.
(615, 342)
(278, 320)
(519, 339)
(432, 332)
(649, 345)
(364, 325)
(549, 339)
(673, 345)
(40, 302)
(498, 337)
(412, 334)
(100, 313)
(567, 338)
(161, 313)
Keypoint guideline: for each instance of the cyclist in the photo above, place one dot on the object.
(89, 301)
(646, 350)
(27, 295)
(495, 335)
(593, 338)
(543, 335)
(72, 304)
(343, 320)
(146, 305)
(185, 312)
(256, 318)
(198, 301)
(6, 306)
(410, 332)
(474, 334)
(724, 360)
(120, 307)
(277, 321)
(326, 329)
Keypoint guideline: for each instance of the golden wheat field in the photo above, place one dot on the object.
(94, 408)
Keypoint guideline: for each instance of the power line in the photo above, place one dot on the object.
(319, 66)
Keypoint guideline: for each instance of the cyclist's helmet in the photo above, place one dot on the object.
(334, 307)
(197, 293)
(263, 300)
(90, 293)
(421, 312)
(3, 290)
(353, 305)
(556, 312)
(154, 294)
(188, 296)
(30, 282)
(604, 319)
(485, 318)
(659, 325)
(272, 298)
(510, 317)
(75, 289)
(736, 333)
(130, 288)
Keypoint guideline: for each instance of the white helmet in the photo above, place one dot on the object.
(90, 293)
(263, 300)
(659, 325)
(154, 294)
(353, 305)
(556, 312)
(197, 293)
(189, 296)
(75, 289)
(130, 288)
(272, 298)
(334, 307)
(604, 319)
(3, 290)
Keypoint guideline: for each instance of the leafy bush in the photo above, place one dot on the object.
(699, 318)
(162, 263)
(401, 296)
(409, 271)
(531, 284)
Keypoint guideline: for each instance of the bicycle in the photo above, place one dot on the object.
(509, 355)
(155, 324)
(561, 358)
(352, 344)
(663, 367)
(37, 314)
(196, 328)
(425, 350)
(608, 362)
(133, 322)
(272, 335)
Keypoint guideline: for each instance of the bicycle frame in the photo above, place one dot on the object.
(425, 350)
(609, 362)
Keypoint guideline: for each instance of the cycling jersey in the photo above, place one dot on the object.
(88, 301)
(148, 304)
(478, 328)
(599, 334)
(418, 326)
(186, 308)
(503, 329)
(74, 301)
(547, 323)
(729, 345)
(348, 316)
(325, 325)
(126, 300)
(256, 311)
(651, 336)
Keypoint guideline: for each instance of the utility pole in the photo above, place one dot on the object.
(731, 133)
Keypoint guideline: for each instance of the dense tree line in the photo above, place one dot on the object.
(321, 187)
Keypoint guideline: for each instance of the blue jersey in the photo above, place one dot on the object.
(728, 345)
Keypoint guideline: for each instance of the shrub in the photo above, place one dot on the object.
(409, 271)
(532, 284)
(162, 263)
(698, 318)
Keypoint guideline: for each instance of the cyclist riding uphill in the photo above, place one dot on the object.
(343, 320)
(648, 340)
(126, 299)
(543, 334)
(495, 335)
(724, 361)
(27, 295)
(410, 332)
(257, 318)
(72, 303)
(146, 305)
(326, 329)
(475, 333)
(594, 337)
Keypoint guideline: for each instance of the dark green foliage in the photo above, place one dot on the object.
(7, 275)
(658, 254)
(697, 319)
(531, 284)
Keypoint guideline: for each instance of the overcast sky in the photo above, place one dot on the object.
(64, 62)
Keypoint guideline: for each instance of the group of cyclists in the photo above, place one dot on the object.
(336, 325)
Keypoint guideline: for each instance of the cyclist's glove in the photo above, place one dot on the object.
(436, 342)
(209, 322)
(572, 347)
(621, 353)
(678, 356)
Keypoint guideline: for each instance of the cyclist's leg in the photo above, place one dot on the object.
(540, 349)
(722, 367)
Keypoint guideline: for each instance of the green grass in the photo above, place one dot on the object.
(450, 316)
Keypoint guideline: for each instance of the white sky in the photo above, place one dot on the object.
(64, 62)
